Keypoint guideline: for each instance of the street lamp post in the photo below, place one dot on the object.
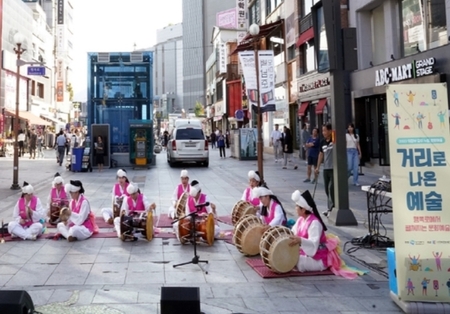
(254, 31)
(18, 39)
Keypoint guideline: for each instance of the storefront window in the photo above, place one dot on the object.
(424, 25)
(308, 58)
(322, 53)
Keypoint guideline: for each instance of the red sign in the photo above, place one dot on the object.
(60, 91)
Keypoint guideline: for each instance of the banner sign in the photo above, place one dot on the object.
(419, 138)
(60, 91)
(266, 78)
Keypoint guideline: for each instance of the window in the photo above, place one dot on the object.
(254, 11)
(291, 52)
(378, 36)
(219, 91)
(40, 90)
(307, 57)
(189, 134)
(306, 7)
(424, 25)
(272, 5)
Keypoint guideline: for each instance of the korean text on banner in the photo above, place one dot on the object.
(266, 78)
(60, 91)
(419, 138)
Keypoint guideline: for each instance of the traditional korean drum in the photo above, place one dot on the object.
(204, 229)
(117, 207)
(247, 235)
(55, 209)
(275, 251)
(180, 206)
(240, 209)
(131, 224)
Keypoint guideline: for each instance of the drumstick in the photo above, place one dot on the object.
(315, 186)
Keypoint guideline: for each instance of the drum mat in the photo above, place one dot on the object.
(261, 269)
(225, 220)
(7, 237)
(226, 236)
(163, 221)
(101, 235)
(101, 223)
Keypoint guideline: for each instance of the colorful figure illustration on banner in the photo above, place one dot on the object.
(410, 286)
(430, 124)
(411, 97)
(436, 286)
(437, 257)
(425, 283)
(434, 95)
(397, 120)
(396, 101)
(414, 264)
(441, 115)
(423, 104)
(419, 119)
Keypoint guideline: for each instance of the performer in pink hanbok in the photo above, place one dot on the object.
(318, 252)
(119, 191)
(133, 205)
(27, 215)
(271, 210)
(80, 221)
(57, 197)
(254, 181)
(179, 190)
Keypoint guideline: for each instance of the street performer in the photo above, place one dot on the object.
(318, 251)
(27, 215)
(254, 181)
(134, 205)
(77, 221)
(119, 192)
(270, 210)
(57, 198)
(181, 188)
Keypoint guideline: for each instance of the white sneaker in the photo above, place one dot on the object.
(32, 237)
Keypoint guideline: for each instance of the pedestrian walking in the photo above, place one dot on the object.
(39, 144)
(313, 146)
(353, 153)
(221, 144)
(275, 140)
(32, 144)
(288, 146)
(99, 153)
(213, 140)
(326, 157)
(304, 136)
(61, 146)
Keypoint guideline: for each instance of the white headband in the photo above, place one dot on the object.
(252, 175)
(184, 174)
(261, 191)
(69, 188)
(58, 180)
(121, 173)
(194, 190)
(28, 189)
(132, 188)
(300, 201)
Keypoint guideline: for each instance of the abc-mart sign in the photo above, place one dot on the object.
(415, 69)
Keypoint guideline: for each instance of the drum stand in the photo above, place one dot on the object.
(196, 259)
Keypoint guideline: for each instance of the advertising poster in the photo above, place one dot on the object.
(248, 139)
(419, 139)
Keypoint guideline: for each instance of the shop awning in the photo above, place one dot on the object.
(302, 109)
(56, 121)
(321, 105)
(30, 117)
(264, 31)
(305, 37)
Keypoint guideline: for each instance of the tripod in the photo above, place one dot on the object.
(193, 235)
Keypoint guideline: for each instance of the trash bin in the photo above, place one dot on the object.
(77, 159)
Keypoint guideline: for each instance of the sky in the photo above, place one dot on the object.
(112, 26)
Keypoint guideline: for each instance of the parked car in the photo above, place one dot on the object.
(188, 143)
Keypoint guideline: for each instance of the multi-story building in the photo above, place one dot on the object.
(168, 70)
(199, 17)
(401, 42)
(35, 93)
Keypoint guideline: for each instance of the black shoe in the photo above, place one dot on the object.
(326, 213)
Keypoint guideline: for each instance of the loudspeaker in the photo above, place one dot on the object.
(16, 302)
(184, 300)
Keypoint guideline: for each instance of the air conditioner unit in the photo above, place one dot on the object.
(103, 57)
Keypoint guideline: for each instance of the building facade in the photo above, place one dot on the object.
(399, 42)
(168, 70)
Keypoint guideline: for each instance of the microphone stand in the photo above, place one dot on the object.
(196, 259)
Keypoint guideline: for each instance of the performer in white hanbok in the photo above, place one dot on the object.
(119, 192)
(135, 204)
(254, 181)
(179, 190)
(28, 215)
(57, 198)
(80, 224)
(270, 210)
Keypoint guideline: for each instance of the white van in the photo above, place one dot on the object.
(188, 143)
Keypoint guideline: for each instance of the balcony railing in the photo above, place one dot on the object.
(305, 23)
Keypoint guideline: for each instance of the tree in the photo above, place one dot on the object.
(199, 110)
(70, 90)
